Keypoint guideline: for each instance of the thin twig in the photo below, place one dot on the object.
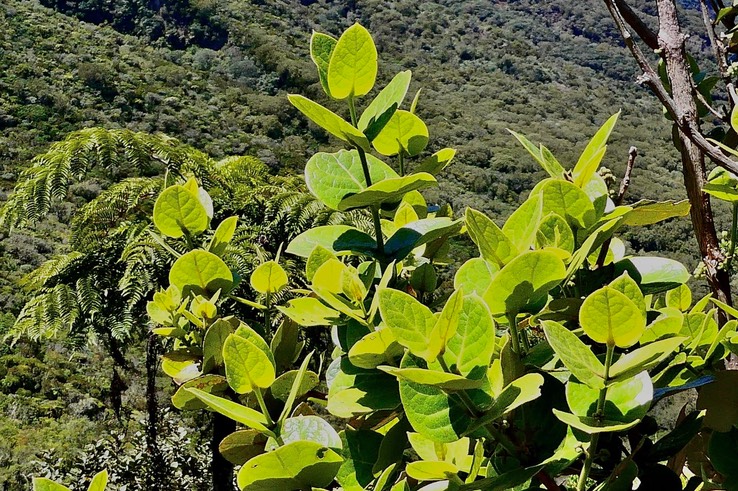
(718, 51)
(632, 154)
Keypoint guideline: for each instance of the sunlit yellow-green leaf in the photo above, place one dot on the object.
(222, 236)
(431, 471)
(177, 212)
(353, 66)
(404, 132)
(410, 321)
(237, 412)
(43, 484)
(591, 157)
(575, 355)
(247, 366)
(380, 110)
(374, 349)
(321, 49)
(494, 245)
(609, 317)
(269, 277)
(201, 273)
(329, 121)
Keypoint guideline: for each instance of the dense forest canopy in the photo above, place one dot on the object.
(215, 74)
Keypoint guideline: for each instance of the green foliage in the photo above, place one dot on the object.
(473, 380)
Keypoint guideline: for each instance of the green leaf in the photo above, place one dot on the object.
(43, 484)
(649, 212)
(626, 401)
(353, 66)
(591, 157)
(182, 365)
(679, 298)
(553, 231)
(316, 259)
(437, 162)
(242, 445)
(285, 384)
(381, 109)
(654, 274)
(285, 345)
(471, 347)
(177, 212)
(309, 311)
(186, 401)
(321, 49)
(609, 317)
(308, 429)
(269, 277)
(522, 226)
(247, 366)
(355, 391)
(237, 412)
(222, 236)
(338, 239)
(645, 358)
(567, 200)
(297, 465)
(547, 162)
(524, 281)
(387, 190)
(575, 355)
(99, 482)
(360, 452)
(410, 321)
(330, 121)
(374, 349)
(404, 132)
(419, 233)
(212, 346)
(504, 482)
(592, 425)
(331, 177)
(667, 324)
(518, 392)
(493, 244)
(201, 273)
(430, 411)
(297, 388)
(475, 275)
(720, 399)
(447, 323)
(628, 287)
(431, 471)
(434, 378)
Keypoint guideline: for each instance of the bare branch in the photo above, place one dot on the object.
(718, 51)
(632, 154)
(651, 79)
(636, 23)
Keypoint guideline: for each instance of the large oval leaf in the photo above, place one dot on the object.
(374, 349)
(177, 212)
(405, 132)
(309, 429)
(475, 275)
(297, 465)
(43, 484)
(431, 411)
(355, 391)
(353, 66)
(654, 274)
(242, 445)
(575, 355)
(201, 273)
(186, 401)
(269, 277)
(625, 401)
(566, 199)
(331, 177)
(524, 281)
(470, 348)
(338, 239)
(609, 317)
(247, 366)
(410, 321)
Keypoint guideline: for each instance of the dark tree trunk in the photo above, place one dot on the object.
(221, 469)
(157, 473)
(671, 41)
